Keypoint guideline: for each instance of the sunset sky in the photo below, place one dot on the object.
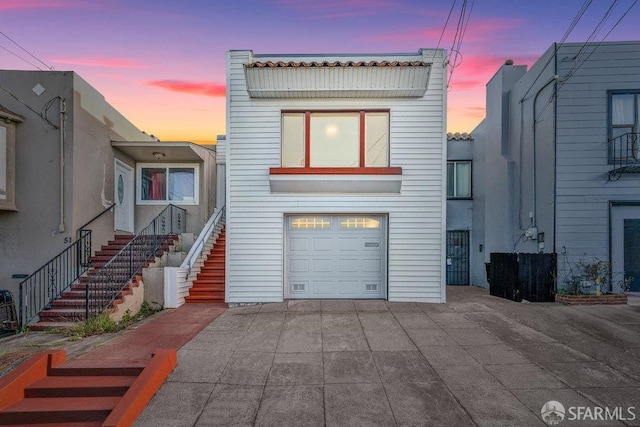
(162, 63)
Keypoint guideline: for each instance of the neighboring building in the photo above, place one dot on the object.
(66, 155)
(335, 176)
(556, 159)
(459, 207)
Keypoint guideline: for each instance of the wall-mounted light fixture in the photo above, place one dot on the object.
(158, 155)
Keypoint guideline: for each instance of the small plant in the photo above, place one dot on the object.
(103, 324)
(594, 276)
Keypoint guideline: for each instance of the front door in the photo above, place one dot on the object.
(124, 198)
(458, 257)
(625, 243)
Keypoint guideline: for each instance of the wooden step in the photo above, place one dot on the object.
(80, 386)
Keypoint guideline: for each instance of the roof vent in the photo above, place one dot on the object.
(508, 62)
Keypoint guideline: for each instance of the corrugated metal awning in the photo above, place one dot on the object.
(373, 79)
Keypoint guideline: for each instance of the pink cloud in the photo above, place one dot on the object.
(341, 8)
(37, 4)
(475, 112)
(475, 71)
(99, 62)
(196, 88)
(477, 31)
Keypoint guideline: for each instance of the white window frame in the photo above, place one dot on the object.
(455, 180)
(167, 166)
(8, 159)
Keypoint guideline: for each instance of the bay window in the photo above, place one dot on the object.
(336, 139)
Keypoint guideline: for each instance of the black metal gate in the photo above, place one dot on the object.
(458, 257)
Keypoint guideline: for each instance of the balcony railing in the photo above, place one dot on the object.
(107, 283)
(624, 155)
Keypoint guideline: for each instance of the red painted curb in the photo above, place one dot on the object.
(142, 390)
(33, 369)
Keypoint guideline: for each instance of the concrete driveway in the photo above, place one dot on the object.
(477, 360)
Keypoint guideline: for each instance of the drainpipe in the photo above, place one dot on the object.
(63, 113)
(535, 120)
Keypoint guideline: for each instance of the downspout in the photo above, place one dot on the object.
(63, 113)
(533, 192)
(555, 147)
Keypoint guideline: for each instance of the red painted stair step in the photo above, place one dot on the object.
(59, 409)
(80, 386)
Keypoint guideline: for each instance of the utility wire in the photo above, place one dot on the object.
(25, 50)
(41, 114)
(20, 57)
(443, 29)
(570, 29)
(462, 27)
(579, 64)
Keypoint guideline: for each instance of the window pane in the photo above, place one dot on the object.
(311, 223)
(377, 139)
(335, 140)
(463, 179)
(153, 184)
(293, 140)
(181, 184)
(359, 222)
(450, 179)
(622, 109)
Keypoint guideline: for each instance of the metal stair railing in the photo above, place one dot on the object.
(107, 282)
(624, 155)
(198, 246)
(47, 283)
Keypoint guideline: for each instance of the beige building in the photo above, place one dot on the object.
(67, 156)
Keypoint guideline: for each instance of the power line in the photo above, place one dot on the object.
(19, 57)
(570, 29)
(580, 63)
(41, 114)
(444, 29)
(459, 36)
(26, 51)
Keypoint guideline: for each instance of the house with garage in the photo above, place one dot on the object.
(74, 173)
(555, 160)
(459, 207)
(336, 176)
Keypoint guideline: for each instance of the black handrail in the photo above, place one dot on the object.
(49, 281)
(94, 218)
(107, 282)
(624, 155)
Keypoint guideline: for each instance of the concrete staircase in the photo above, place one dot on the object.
(70, 307)
(209, 285)
(46, 391)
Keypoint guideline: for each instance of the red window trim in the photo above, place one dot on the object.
(337, 171)
(307, 143)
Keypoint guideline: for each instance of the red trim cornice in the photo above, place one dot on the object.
(337, 171)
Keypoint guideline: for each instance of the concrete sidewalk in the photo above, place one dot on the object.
(477, 360)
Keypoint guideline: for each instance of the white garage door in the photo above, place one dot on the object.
(336, 256)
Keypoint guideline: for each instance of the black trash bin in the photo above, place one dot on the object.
(8, 317)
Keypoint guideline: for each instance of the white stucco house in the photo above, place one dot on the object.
(71, 164)
(335, 176)
(556, 160)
